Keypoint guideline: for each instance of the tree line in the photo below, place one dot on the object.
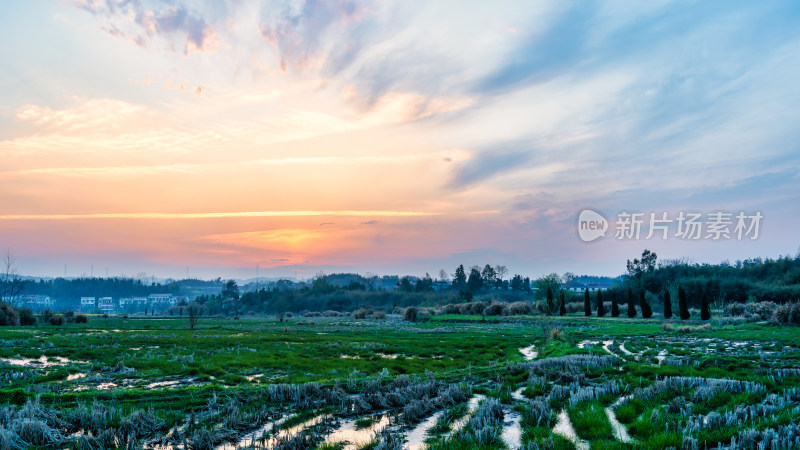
(598, 306)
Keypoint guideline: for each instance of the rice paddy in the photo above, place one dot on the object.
(449, 382)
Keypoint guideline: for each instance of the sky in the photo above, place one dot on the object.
(289, 138)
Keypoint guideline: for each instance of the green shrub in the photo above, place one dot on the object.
(57, 320)
(9, 316)
(26, 317)
(788, 314)
(410, 314)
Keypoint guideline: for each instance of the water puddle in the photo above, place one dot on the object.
(620, 432)
(267, 437)
(512, 433)
(625, 350)
(98, 387)
(42, 362)
(529, 352)
(295, 430)
(564, 428)
(472, 406)
(261, 434)
(356, 438)
(162, 443)
(620, 400)
(415, 439)
(170, 383)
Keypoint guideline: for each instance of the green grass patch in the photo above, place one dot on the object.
(590, 421)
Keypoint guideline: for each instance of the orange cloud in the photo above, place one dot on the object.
(211, 215)
(108, 114)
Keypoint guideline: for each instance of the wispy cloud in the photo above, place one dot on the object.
(108, 114)
(299, 31)
(145, 22)
(102, 172)
(108, 125)
(166, 169)
(212, 215)
(548, 53)
(177, 19)
(488, 164)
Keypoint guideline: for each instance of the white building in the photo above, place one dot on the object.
(162, 299)
(106, 305)
(591, 287)
(34, 302)
(133, 301)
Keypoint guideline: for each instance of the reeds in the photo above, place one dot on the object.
(539, 413)
(37, 433)
(680, 362)
(784, 437)
(704, 387)
(570, 363)
(9, 440)
(484, 427)
(420, 405)
(140, 424)
(588, 393)
(388, 440)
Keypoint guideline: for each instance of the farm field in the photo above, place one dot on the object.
(449, 382)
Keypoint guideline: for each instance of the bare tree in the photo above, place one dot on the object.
(193, 311)
(370, 278)
(501, 271)
(10, 283)
(443, 276)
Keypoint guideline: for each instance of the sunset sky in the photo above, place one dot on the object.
(388, 136)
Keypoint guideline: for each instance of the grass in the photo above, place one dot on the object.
(450, 416)
(590, 421)
(540, 434)
(334, 446)
(297, 419)
(628, 412)
(365, 422)
(217, 358)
